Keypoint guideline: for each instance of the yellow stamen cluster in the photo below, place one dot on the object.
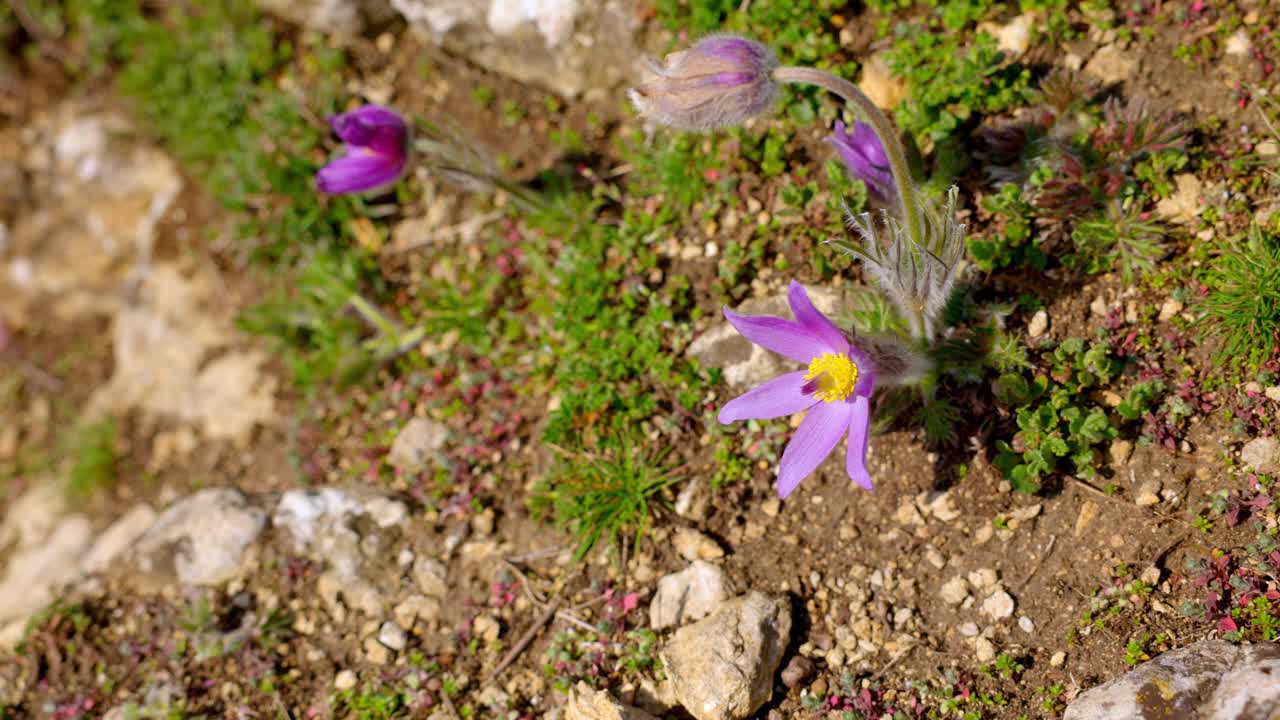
(833, 376)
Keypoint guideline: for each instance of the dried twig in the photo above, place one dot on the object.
(1043, 556)
(525, 640)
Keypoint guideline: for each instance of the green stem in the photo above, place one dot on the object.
(882, 127)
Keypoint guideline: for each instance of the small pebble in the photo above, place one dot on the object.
(344, 680)
(1027, 626)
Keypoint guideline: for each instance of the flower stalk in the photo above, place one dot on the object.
(873, 116)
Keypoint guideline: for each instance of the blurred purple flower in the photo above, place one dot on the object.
(835, 390)
(722, 80)
(865, 158)
(376, 152)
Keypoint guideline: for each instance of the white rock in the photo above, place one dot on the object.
(36, 573)
(1169, 309)
(392, 636)
(1187, 201)
(1014, 37)
(983, 578)
(691, 594)
(998, 605)
(586, 703)
(430, 575)
(984, 649)
(954, 591)
(1026, 624)
(415, 447)
(693, 545)
(117, 538)
(1239, 44)
(1262, 454)
(344, 680)
(416, 608)
(1111, 65)
(1039, 324)
(1058, 659)
(941, 506)
(1210, 679)
(204, 536)
(722, 667)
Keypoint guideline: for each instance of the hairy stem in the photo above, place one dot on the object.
(882, 127)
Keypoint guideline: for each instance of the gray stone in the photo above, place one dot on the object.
(954, 591)
(693, 545)
(203, 538)
(722, 667)
(998, 605)
(430, 574)
(392, 636)
(567, 46)
(1262, 454)
(341, 17)
(117, 538)
(691, 594)
(415, 447)
(586, 703)
(1211, 679)
(37, 572)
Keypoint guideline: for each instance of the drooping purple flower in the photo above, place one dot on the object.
(376, 152)
(721, 81)
(865, 158)
(835, 389)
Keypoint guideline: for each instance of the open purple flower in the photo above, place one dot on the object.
(376, 153)
(865, 158)
(835, 390)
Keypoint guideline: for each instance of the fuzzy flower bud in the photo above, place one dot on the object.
(721, 81)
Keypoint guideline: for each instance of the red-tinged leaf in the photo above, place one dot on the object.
(1227, 624)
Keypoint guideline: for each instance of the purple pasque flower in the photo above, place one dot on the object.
(722, 80)
(864, 156)
(376, 153)
(835, 389)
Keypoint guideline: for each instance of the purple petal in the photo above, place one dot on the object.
(780, 396)
(784, 337)
(859, 432)
(814, 440)
(865, 158)
(372, 126)
(357, 172)
(814, 321)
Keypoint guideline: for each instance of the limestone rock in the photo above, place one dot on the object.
(691, 594)
(693, 545)
(162, 344)
(1210, 679)
(722, 667)
(1111, 65)
(586, 703)
(568, 46)
(416, 445)
(1262, 454)
(1186, 203)
(113, 541)
(341, 17)
(203, 538)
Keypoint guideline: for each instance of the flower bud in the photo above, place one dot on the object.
(721, 81)
(376, 151)
(865, 158)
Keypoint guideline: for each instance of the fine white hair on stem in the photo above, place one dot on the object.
(917, 276)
